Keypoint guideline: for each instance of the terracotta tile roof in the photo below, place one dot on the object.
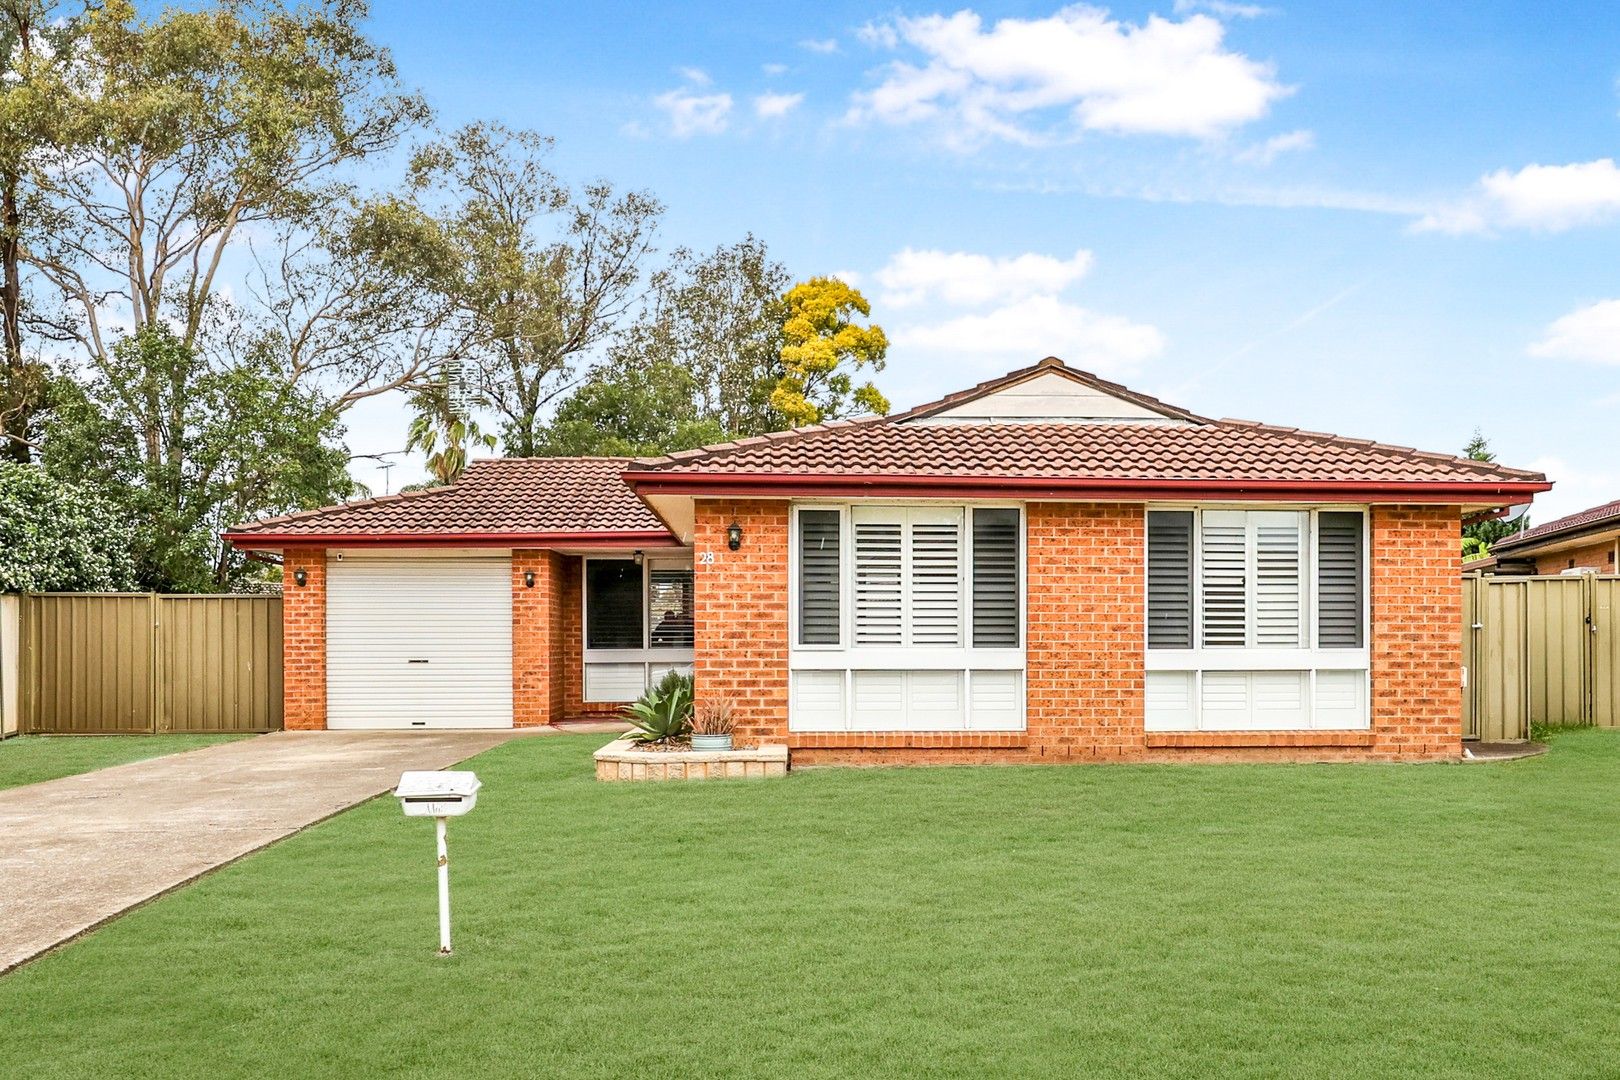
(1592, 517)
(529, 496)
(1225, 450)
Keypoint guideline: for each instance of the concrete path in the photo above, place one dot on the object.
(77, 851)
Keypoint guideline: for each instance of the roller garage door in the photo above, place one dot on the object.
(418, 643)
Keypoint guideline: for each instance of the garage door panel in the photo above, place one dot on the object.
(452, 617)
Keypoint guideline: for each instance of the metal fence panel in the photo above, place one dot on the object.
(105, 663)
(1540, 650)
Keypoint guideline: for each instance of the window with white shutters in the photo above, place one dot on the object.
(907, 618)
(1279, 638)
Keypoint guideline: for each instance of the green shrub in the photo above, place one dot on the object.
(664, 712)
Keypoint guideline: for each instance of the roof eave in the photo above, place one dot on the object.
(1473, 492)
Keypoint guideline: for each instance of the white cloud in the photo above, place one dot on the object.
(694, 75)
(774, 70)
(820, 45)
(1267, 152)
(1040, 326)
(1551, 198)
(962, 278)
(1590, 333)
(694, 114)
(969, 305)
(1223, 9)
(879, 35)
(1010, 80)
(771, 106)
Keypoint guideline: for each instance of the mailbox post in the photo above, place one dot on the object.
(441, 796)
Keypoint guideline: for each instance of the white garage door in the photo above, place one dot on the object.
(419, 643)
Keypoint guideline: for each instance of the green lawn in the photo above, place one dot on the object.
(1189, 921)
(28, 759)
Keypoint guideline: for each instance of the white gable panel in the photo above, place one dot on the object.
(1048, 396)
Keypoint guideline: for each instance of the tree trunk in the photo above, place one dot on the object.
(18, 398)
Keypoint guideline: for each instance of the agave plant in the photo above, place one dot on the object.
(664, 712)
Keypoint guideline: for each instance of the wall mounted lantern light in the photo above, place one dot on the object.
(734, 536)
(528, 579)
(301, 576)
(639, 557)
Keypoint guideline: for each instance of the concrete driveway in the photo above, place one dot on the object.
(77, 851)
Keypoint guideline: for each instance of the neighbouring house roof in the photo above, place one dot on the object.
(1593, 519)
(532, 500)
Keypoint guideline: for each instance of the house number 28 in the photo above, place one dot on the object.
(705, 557)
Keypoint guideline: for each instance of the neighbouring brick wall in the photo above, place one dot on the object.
(1416, 631)
(303, 637)
(742, 612)
(1599, 556)
(1086, 604)
(539, 668)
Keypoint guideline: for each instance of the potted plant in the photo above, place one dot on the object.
(712, 725)
(664, 713)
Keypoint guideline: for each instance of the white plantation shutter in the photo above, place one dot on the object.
(1224, 552)
(935, 573)
(879, 576)
(1278, 605)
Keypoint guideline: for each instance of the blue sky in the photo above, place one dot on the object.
(1399, 223)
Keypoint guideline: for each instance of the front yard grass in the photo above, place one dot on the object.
(1192, 921)
(29, 759)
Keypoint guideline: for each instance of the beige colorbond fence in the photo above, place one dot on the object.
(100, 663)
(1540, 650)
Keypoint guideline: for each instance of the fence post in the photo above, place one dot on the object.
(157, 662)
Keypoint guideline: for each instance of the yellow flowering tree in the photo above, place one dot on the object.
(823, 349)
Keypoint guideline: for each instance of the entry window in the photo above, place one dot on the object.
(669, 609)
(613, 618)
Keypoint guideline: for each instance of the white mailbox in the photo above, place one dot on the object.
(437, 794)
(441, 796)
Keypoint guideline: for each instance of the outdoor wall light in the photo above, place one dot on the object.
(639, 557)
(734, 536)
(300, 575)
(528, 579)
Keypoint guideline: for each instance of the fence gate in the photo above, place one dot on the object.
(1540, 650)
(108, 663)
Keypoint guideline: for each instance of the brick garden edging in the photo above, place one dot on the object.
(620, 760)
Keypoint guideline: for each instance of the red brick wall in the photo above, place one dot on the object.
(303, 636)
(539, 668)
(1598, 556)
(1087, 610)
(742, 613)
(1416, 631)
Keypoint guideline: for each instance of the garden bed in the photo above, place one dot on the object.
(624, 759)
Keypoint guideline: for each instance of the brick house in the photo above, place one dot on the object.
(1587, 541)
(1046, 567)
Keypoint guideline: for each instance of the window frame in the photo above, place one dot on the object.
(1310, 659)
